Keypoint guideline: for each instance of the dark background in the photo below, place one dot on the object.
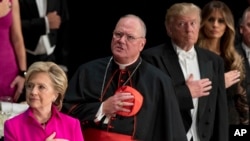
(92, 23)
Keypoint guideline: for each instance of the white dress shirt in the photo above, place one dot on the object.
(189, 65)
(247, 51)
(43, 46)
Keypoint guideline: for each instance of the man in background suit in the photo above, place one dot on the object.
(243, 47)
(41, 22)
(197, 75)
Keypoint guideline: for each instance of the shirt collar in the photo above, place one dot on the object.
(54, 114)
(128, 66)
(182, 54)
(179, 49)
(246, 49)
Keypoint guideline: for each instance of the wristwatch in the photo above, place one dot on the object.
(22, 73)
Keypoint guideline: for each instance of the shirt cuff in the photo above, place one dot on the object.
(99, 115)
(47, 25)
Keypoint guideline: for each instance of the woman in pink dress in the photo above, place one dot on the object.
(12, 50)
(46, 84)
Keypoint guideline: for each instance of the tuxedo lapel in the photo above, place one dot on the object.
(33, 7)
(206, 71)
(247, 69)
(171, 62)
(51, 5)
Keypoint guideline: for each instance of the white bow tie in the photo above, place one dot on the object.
(186, 55)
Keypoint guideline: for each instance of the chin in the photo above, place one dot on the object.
(33, 104)
(118, 55)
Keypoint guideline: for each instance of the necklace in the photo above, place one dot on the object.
(105, 75)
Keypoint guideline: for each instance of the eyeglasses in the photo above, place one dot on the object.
(129, 38)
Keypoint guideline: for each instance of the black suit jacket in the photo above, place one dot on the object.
(212, 117)
(241, 51)
(33, 26)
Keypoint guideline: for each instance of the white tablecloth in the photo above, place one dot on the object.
(17, 108)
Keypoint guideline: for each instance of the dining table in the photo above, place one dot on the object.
(9, 110)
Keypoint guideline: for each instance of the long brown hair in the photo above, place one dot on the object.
(233, 61)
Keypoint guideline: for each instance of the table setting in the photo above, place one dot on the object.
(9, 109)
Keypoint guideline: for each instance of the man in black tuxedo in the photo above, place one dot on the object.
(197, 75)
(41, 22)
(243, 47)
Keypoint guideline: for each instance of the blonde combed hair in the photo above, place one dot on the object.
(57, 76)
(179, 9)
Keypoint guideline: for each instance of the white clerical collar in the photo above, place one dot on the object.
(123, 66)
